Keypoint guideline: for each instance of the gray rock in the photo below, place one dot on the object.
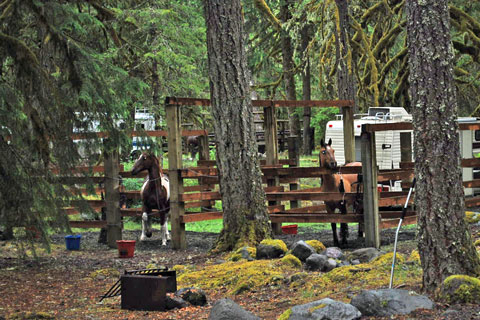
(245, 254)
(175, 302)
(268, 252)
(316, 262)
(226, 309)
(331, 264)
(365, 254)
(194, 296)
(387, 302)
(334, 252)
(302, 250)
(355, 262)
(325, 309)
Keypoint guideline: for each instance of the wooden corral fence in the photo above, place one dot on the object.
(109, 178)
(376, 218)
(182, 197)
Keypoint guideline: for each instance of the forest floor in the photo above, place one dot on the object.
(67, 284)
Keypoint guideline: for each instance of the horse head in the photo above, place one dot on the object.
(327, 155)
(146, 161)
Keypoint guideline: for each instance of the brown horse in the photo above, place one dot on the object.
(193, 145)
(336, 183)
(155, 195)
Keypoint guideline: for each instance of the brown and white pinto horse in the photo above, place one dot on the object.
(155, 195)
(336, 183)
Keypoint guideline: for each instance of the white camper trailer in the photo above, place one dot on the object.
(387, 142)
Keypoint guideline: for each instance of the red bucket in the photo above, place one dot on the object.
(290, 229)
(126, 248)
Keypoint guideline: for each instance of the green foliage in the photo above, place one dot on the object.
(320, 118)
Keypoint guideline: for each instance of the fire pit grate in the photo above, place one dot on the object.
(169, 276)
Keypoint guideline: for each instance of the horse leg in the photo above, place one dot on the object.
(334, 227)
(144, 226)
(163, 228)
(166, 229)
(343, 227)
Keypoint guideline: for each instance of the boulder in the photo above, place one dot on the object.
(265, 251)
(325, 309)
(365, 254)
(194, 296)
(331, 264)
(316, 262)
(334, 253)
(226, 309)
(461, 289)
(175, 302)
(388, 302)
(302, 250)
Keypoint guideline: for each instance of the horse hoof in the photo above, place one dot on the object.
(148, 234)
(142, 238)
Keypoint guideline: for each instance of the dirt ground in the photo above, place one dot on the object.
(62, 285)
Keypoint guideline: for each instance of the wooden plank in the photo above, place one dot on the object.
(204, 187)
(395, 214)
(306, 210)
(275, 208)
(265, 103)
(274, 189)
(317, 218)
(88, 224)
(375, 127)
(407, 165)
(308, 172)
(471, 184)
(395, 175)
(469, 126)
(406, 146)
(213, 195)
(370, 196)
(194, 217)
(394, 222)
(311, 196)
(471, 163)
(394, 201)
(213, 163)
(472, 202)
(136, 212)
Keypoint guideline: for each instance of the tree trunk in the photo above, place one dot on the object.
(345, 75)
(306, 93)
(245, 216)
(289, 70)
(444, 240)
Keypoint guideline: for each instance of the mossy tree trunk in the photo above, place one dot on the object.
(245, 217)
(306, 91)
(289, 69)
(444, 240)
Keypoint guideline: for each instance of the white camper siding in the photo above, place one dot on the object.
(336, 134)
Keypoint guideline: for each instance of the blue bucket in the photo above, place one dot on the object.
(73, 242)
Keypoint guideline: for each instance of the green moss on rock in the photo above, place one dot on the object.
(317, 245)
(277, 243)
(291, 260)
(285, 315)
(414, 257)
(461, 289)
(472, 217)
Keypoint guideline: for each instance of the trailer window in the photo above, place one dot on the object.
(373, 111)
(477, 135)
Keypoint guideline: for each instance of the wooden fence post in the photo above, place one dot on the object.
(112, 195)
(204, 148)
(348, 134)
(271, 149)
(177, 210)
(293, 154)
(405, 146)
(370, 191)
